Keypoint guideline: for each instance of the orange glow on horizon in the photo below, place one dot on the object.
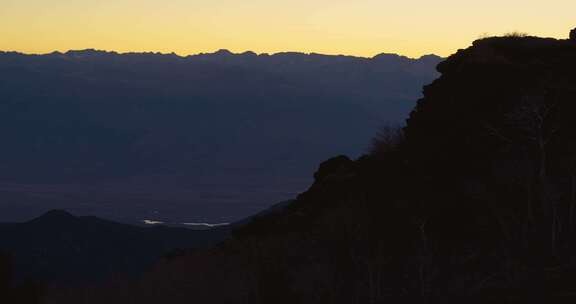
(361, 28)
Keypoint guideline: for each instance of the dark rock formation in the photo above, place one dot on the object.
(476, 205)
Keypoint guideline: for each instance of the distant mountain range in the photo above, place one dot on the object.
(204, 138)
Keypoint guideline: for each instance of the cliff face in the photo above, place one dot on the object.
(476, 202)
(480, 193)
(498, 94)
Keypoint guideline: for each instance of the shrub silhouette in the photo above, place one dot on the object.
(389, 138)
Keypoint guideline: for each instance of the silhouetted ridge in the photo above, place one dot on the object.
(55, 216)
(431, 58)
(223, 52)
(389, 57)
(474, 204)
(332, 167)
(85, 52)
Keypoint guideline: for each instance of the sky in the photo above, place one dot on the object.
(352, 27)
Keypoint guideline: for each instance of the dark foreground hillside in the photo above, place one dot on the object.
(60, 249)
(475, 202)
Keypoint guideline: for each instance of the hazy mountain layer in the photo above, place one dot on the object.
(205, 138)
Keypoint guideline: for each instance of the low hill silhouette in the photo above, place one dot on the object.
(62, 249)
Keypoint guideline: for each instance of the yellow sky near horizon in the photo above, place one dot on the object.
(351, 27)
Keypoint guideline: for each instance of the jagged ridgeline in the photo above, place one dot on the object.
(186, 127)
(476, 202)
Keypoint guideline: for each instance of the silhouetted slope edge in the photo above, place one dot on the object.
(474, 204)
